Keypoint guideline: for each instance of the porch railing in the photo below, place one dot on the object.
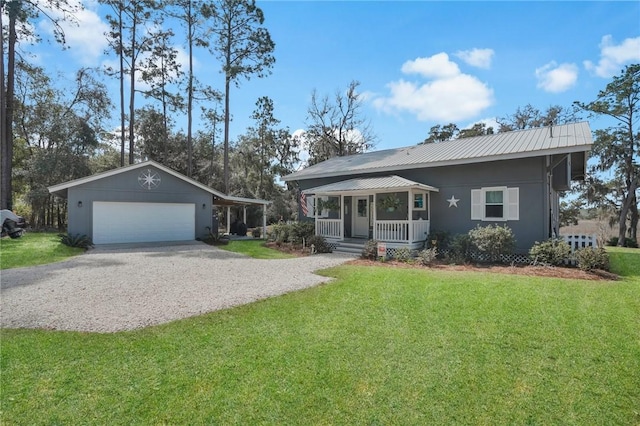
(391, 230)
(328, 228)
(384, 230)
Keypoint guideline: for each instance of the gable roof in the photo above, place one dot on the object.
(566, 138)
(61, 189)
(390, 183)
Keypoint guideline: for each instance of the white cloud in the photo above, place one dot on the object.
(85, 38)
(437, 66)
(556, 78)
(480, 58)
(449, 95)
(613, 57)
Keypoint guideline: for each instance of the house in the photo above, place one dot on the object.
(401, 195)
(145, 202)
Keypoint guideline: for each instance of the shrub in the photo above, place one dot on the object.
(428, 256)
(441, 239)
(256, 232)
(628, 242)
(493, 240)
(590, 258)
(402, 254)
(554, 251)
(279, 233)
(319, 244)
(460, 249)
(76, 240)
(301, 230)
(370, 250)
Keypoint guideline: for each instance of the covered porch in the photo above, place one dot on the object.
(391, 209)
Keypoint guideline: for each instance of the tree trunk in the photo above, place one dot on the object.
(132, 94)
(190, 94)
(7, 141)
(624, 211)
(122, 116)
(3, 121)
(633, 228)
(226, 135)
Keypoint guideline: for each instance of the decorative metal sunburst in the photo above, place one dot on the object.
(148, 179)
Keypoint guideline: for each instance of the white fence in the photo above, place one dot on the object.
(392, 230)
(580, 241)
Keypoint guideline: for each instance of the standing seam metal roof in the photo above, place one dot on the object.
(572, 137)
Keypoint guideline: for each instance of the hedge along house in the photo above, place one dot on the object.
(145, 202)
(399, 196)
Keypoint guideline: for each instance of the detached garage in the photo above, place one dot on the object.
(144, 202)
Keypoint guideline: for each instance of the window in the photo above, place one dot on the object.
(419, 201)
(362, 208)
(495, 204)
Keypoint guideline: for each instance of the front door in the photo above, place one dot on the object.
(361, 217)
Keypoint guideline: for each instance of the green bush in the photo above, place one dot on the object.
(370, 250)
(460, 249)
(493, 240)
(76, 240)
(428, 256)
(301, 230)
(291, 232)
(441, 239)
(590, 258)
(554, 251)
(402, 254)
(628, 242)
(319, 244)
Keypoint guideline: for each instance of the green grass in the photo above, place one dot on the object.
(376, 346)
(255, 249)
(34, 248)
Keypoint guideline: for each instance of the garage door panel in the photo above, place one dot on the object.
(117, 222)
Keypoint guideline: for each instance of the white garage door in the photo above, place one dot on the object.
(142, 222)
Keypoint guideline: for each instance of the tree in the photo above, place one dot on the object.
(439, 133)
(478, 129)
(530, 117)
(243, 46)
(618, 146)
(160, 70)
(133, 33)
(20, 13)
(58, 128)
(336, 128)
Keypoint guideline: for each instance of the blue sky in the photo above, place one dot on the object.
(419, 63)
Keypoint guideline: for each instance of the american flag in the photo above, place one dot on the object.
(303, 204)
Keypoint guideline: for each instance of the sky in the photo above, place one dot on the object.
(419, 63)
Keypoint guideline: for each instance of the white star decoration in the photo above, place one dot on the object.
(453, 201)
(148, 179)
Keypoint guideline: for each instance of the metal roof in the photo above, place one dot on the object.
(566, 138)
(367, 184)
(61, 189)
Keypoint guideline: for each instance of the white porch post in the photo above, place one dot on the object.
(375, 217)
(315, 212)
(244, 214)
(229, 220)
(410, 214)
(342, 216)
(264, 221)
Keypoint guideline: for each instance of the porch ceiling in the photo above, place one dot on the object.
(387, 183)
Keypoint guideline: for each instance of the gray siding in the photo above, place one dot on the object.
(124, 187)
(528, 174)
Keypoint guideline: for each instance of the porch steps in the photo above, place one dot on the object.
(349, 247)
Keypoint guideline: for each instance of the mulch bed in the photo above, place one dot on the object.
(529, 270)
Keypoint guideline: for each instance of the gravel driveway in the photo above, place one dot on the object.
(108, 290)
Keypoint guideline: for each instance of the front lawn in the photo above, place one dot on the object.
(378, 345)
(255, 249)
(34, 248)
